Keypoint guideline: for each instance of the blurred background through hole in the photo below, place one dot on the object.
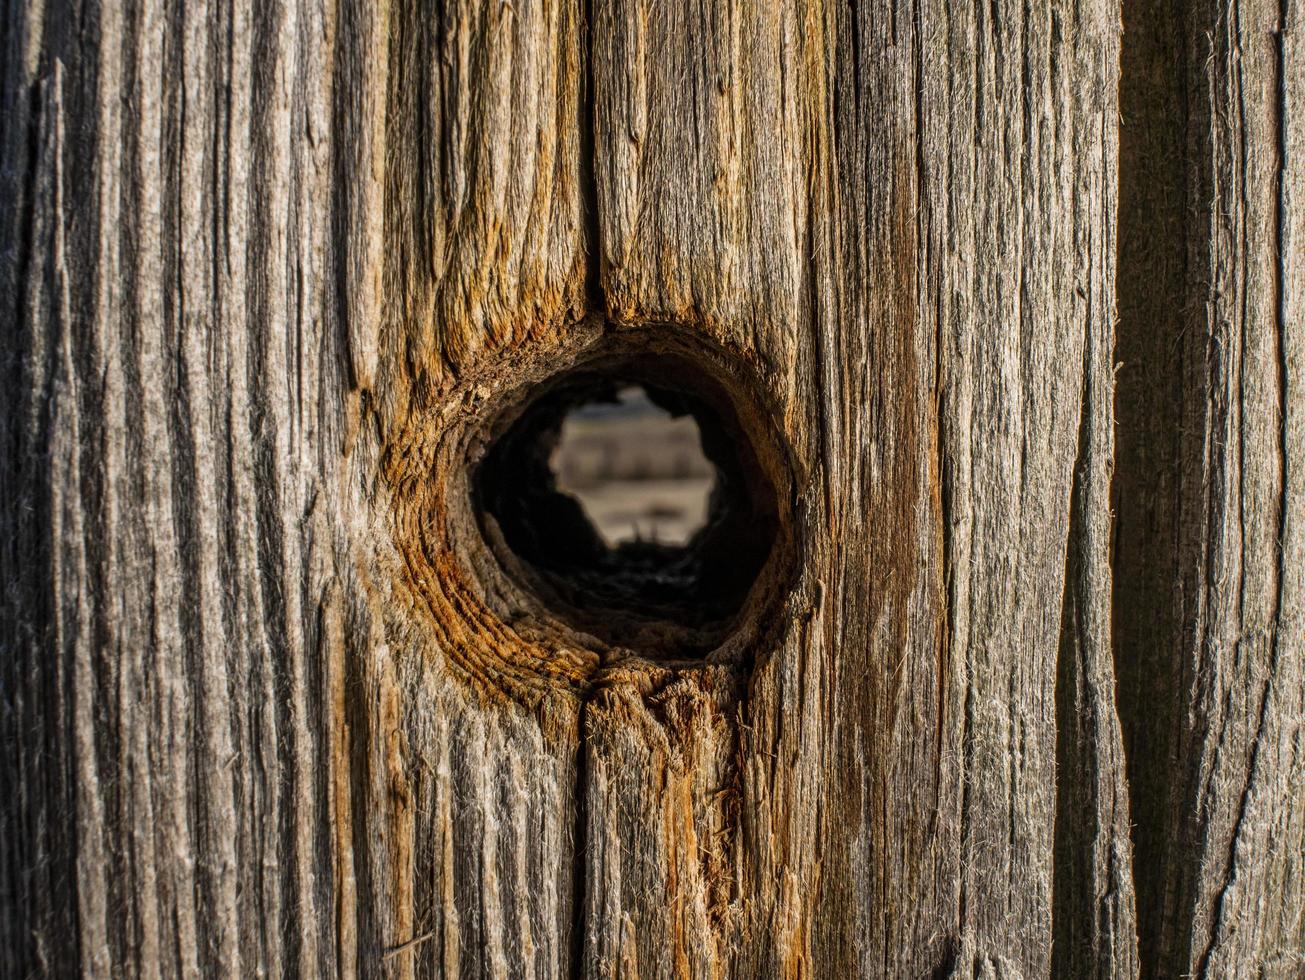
(628, 496)
(638, 472)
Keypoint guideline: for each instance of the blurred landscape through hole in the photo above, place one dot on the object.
(638, 472)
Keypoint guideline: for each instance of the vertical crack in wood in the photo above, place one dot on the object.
(1151, 405)
(1282, 204)
(587, 164)
(942, 475)
(581, 824)
(1074, 794)
(1093, 914)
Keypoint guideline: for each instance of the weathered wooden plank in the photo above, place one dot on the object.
(1026, 292)
(264, 775)
(1207, 593)
(469, 803)
(904, 216)
(276, 706)
(188, 415)
(699, 115)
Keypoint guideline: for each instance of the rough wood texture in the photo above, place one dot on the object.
(174, 430)
(1210, 537)
(272, 706)
(934, 248)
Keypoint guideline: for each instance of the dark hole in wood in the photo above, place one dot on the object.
(657, 596)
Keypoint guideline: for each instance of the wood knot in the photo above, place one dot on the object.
(511, 577)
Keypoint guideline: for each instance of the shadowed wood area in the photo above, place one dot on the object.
(1209, 593)
(279, 696)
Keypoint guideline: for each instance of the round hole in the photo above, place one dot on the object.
(627, 493)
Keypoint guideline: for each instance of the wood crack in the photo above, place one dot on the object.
(588, 174)
(588, 166)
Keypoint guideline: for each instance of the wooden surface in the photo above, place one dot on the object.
(1210, 537)
(272, 706)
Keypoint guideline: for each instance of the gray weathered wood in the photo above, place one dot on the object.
(854, 200)
(1210, 540)
(270, 705)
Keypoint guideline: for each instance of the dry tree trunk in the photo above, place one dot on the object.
(277, 700)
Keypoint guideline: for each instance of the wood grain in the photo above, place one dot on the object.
(272, 704)
(935, 235)
(1208, 587)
